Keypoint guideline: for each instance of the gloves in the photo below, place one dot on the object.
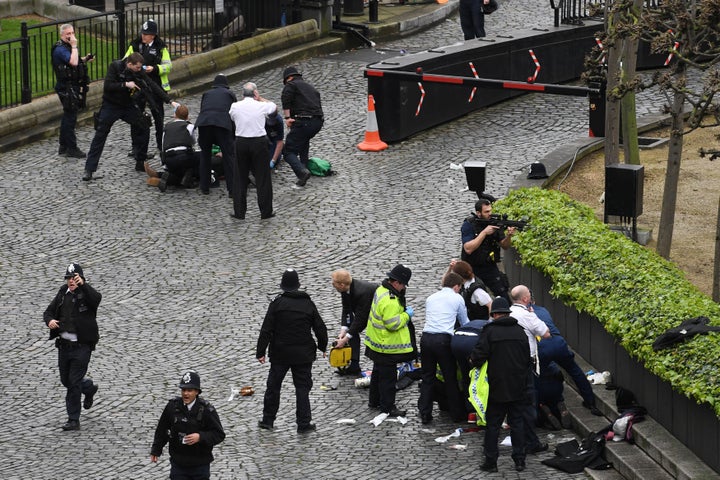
(409, 311)
(272, 164)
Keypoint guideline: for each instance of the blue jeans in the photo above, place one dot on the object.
(108, 115)
(199, 472)
(297, 142)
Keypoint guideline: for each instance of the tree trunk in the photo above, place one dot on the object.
(612, 111)
(716, 263)
(672, 175)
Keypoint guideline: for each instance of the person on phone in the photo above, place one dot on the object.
(71, 87)
(192, 427)
(72, 320)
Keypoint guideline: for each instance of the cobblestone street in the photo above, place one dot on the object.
(186, 286)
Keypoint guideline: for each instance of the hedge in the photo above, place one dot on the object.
(634, 293)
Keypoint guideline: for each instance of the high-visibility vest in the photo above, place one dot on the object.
(387, 330)
(478, 392)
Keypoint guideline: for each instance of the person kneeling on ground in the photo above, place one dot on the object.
(180, 161)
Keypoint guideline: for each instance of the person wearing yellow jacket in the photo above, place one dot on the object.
(389, 339)
(157, 65)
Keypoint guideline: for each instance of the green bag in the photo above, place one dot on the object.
(319, 167)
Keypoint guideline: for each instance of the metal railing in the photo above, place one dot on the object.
(186, 26)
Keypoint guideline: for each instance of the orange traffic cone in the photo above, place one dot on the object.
(372, 142)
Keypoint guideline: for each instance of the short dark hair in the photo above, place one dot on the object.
(135, 57)
(481, 203)
(452, 279)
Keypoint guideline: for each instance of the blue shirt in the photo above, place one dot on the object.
(544, 315)
(442, 310)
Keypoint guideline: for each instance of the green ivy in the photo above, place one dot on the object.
(634, 293)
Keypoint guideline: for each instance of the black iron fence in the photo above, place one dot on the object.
(187, 27)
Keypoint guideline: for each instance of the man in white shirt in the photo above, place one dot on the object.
(521, 310)
(251, 151)
(443, 310)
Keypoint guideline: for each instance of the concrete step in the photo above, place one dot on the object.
(655, 455)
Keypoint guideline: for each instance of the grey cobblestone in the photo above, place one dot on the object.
(185, 286)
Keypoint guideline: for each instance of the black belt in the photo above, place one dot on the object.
(62, 344)
(309, 116)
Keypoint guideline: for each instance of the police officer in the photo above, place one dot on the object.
(303, 114)
(71, 87)
(157, 65)
(125, 81)
(180, 160)
(481, 244)
(72, 320)
(193, 428)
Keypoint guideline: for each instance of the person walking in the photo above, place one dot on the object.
(472, 18)
(192, 427)
(356, 296)
(215, 127)
(286, 330)
(71, 87)
(249, 116)
(389, 339)
(72, 320)
(157, 64)
(443, 309)
(504, 346)
(303, 114)
(125, 85)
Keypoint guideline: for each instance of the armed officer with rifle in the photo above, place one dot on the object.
(483, 235)
(71, 87)
(125, 91)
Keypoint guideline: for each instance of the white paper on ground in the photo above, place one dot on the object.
(507, 442)
(456, 433)
(379, 419)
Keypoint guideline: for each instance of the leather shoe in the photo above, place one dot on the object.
(265, 425)
(540, 447)
(519, 465)
(489, 466)
(61, 150)
(310, 427)
(163, 181)
(74, 153)
(565, 419)
(593, 409)
(425, 419)
(373, 406)
(71, 425)
(87, 176)
(90, 397)
(151, 172)
(397, 413)
(267, 215)
(237, 217)
(303, 178)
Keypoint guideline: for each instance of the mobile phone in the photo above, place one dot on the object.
(90, 56)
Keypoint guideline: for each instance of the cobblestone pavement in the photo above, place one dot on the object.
(186, 286)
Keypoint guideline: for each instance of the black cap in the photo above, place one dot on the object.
(149, 28)
(220, 81)
(73, 269)
(290, 280)
(537, 170)
(499, 305)
(290, 71)
(401, 273)
(190, 379)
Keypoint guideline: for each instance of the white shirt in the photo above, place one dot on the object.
(534, 327)
(479, 296)
(249, 117)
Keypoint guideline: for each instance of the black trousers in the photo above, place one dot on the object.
(251, 155)
(73, 361)
(382, 386)
(223, 138)
(496, 412)
(435, 350)
(302, 379)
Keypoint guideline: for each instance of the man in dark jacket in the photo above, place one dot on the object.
(215, 127)
(193, 428)
(72, 320)
(504, 345)
(125, 87)
(303, 114)
(357, 296)
(290, 318)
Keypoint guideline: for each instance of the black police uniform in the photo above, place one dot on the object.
(121, 103)
(178, 156)
(303, 102)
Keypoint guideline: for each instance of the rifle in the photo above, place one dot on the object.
(146, 91)
(498, 220)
